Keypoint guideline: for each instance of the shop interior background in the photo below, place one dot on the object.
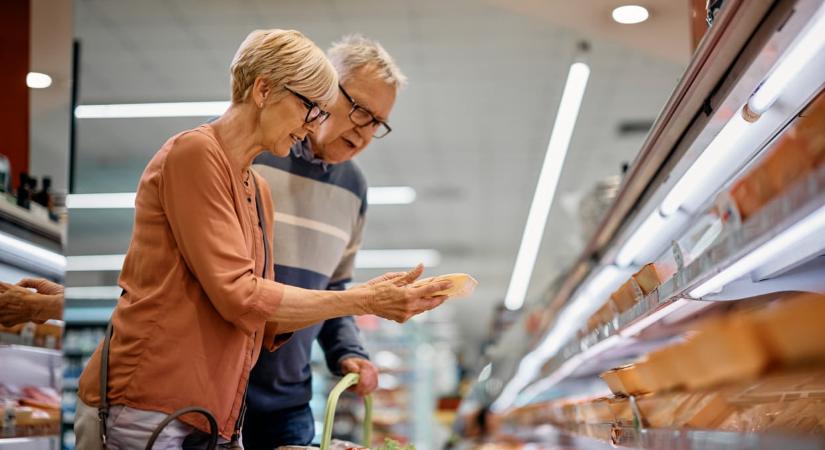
(469, 132)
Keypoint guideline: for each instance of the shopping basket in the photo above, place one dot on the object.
(329, 416)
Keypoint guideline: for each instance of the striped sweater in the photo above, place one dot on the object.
(319, 220)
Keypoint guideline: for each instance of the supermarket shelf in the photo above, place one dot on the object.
(26, 365)
(660, 438)
(31, 443)
(22, 217)
(670, 302)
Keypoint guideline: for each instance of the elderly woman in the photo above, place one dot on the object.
(199, 302)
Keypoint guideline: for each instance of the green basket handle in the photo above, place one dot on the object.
(351, 379)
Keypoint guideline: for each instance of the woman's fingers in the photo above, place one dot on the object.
(410, 276)
(430, 289)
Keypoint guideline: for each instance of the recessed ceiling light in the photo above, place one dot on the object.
(37, 80)
(630, 14)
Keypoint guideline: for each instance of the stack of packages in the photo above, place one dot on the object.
(753, 369)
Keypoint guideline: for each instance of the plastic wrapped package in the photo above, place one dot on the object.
(721, 350)
(702, 234)
(626, 296)
(793, 328)
(796, 153)
(463, 284)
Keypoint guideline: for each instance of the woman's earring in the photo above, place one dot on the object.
(261, 105)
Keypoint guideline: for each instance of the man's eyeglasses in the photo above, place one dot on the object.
(362, 117)
(314, 112)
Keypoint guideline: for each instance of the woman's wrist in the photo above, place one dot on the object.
(359, 300)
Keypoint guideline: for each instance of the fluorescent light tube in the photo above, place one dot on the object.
(650, 239)
(807, 45)
(809, 229)
(390, 195)
(546, 187)
(365, 259)
(381, 195)
(93, 292)
(35, 255)
(101, 201)
(145, 110)
(717, 163)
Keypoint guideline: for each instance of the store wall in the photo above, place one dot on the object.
(14, 103)
(51, 53)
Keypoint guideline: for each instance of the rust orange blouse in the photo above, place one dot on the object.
(191, 322)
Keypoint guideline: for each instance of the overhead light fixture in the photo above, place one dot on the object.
(365, 259)
(95, 263)
(808, 44)
(93, 292)
(390, 195)
(651, 238)
(630, 14)
(37, 80)
(725, 154)
(33, 254)
(397, 259)
(381, 195)
(101, 201)
(565, 122)
(146, 110)
(808, 231)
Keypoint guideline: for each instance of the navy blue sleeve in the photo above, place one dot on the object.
(340, 339)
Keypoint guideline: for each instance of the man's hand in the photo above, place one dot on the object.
(368, 372)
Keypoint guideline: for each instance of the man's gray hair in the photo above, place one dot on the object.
(355, 51)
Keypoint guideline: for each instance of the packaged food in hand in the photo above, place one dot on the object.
(463, 284)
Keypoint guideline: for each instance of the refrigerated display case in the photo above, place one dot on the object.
(31, 246)
(718, 227)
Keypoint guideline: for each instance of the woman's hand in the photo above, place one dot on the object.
(392, 297)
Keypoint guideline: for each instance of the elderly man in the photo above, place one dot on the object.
(322, 198)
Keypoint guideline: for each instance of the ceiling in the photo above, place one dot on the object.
(469, 132)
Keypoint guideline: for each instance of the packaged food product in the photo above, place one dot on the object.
(632, 383)
(626, 296)
(726, 349)
(648, 278)
(753, 191)
(611, 377)
(463, 284)
(793, 328)
(703, 410)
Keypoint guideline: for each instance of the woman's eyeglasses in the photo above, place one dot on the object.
(314, 112)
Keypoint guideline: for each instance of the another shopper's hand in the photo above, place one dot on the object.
(42, 286)
(16, 305)
(396, 300)
(368, 380)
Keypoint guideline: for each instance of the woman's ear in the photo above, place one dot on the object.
(260, 90)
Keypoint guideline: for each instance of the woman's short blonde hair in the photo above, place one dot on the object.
(285, 58)
(355, 52)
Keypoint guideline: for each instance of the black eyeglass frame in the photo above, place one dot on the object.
(310, 105)
(373, 120)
